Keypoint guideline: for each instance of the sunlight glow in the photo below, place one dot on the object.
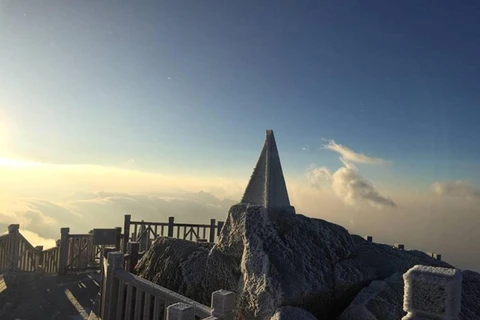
(7, 162)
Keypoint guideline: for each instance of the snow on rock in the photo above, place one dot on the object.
(470, 296)
(292, 313)
(272, 260)
(374, 261)
(175, 264)
(381, 300)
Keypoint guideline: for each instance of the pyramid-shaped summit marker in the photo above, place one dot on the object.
(267, 185)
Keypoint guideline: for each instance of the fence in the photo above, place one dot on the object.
(78, 252)
(145, 232)
(401, 246)
(17, 254)
(126, 296)
(50, 260)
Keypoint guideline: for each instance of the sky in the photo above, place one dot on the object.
(374, 105)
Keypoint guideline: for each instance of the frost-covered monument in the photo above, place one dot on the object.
(284, 265)
(267, 186)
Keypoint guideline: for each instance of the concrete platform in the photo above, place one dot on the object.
(33, 296)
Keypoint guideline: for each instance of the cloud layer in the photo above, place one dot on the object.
(456, 189)
(85, 211)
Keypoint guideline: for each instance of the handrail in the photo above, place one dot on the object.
(165, 224)
(161, 292)
(201, 225)
(29, 245)
(50, 249)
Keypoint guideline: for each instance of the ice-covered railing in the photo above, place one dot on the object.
(432, 293)
(127, 296)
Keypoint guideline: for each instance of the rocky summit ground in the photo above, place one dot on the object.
(34, 296)
(284, 266)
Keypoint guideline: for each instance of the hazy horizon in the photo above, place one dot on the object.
(159, 108)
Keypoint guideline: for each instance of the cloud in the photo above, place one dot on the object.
(85, 211)
(36, 240)
(317, 175)
(351, 155)
(456, 189)
(349, 185)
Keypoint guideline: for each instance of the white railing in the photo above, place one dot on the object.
(127, 296)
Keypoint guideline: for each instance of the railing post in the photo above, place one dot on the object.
(118, 237)
(213, 225)
(126, 231)
(63, 254)
(223, 304)
(432, 292)
(180, 311)
(132, 250)
(38, 259)
(219, 227)
(13, 231)
(111, 285)
(143, 237)
(171, 223)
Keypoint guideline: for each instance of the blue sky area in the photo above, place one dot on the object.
(191, 86)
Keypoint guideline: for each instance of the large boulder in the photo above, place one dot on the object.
(383, 300)
(274, 260)
(470, 296)
(175, 264)
(374, 261)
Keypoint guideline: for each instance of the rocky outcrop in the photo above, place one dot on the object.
(176, 264)
(292, 313)
(374, 261)
(381, 300)
(470, 296)
(279, 263)
(277, 260)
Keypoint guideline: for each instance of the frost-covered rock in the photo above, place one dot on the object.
(470, 296)
(175, 264)
(272, 260)
(292, 313)
(374, 261)
(381, 300)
